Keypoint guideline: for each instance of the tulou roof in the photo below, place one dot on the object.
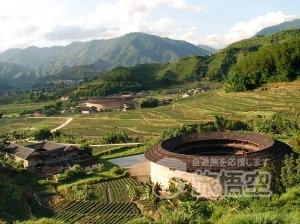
(215, 147)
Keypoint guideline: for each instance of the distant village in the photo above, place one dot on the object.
(127, 102)
(96, 104)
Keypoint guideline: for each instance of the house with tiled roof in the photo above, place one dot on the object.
(48, 154)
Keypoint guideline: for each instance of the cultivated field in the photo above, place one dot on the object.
(9, 124)
(106, 202)
(148, 124)
(16, 108)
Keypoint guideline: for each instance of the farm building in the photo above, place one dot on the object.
(110, 103)
(209, 161)
(88, 110)
(48, 157)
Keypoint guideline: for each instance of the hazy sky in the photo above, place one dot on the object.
(212, 22)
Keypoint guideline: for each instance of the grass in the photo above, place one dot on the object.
(14, 109)
(277, 209)
(93, 176)
(9, 124)
(124, 151)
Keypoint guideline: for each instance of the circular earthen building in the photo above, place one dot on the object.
(207, 160)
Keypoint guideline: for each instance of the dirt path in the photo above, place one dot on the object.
(69, 119)
(63, 125)
(140, 171)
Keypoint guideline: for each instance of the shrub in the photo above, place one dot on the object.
(200, 208)
(116, 137)
(148, 102)
(42, 134)
(85, 149)
(141, 220)
(295, 143)
(117, 170)
(290, 171)
(74, 172)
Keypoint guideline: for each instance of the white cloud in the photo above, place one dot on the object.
(190, 34)
(213, 40)
(112, 19)
(23, 22)
(162, 26)
(48, 22)
(183, 5)
(244, 30)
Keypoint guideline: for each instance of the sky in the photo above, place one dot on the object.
(216, 23)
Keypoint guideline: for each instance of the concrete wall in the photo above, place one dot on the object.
(206, 186)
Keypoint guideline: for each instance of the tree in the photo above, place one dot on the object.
(290, 171)
(85, 149)
(42, 134)
(276, 185)
(295, 143)
(17, 135)
(201, 208)
(276, 125)
(156, 190)
(148, 102)
(75, 171)
(220, 122)
(3, 143)
(236, 82)
(238, 126)
(115, 137)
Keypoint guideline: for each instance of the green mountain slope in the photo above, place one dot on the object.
(269, 58)
(222, 62)
(208, 48)
(15, 75)
(79, 72)
(295, 24)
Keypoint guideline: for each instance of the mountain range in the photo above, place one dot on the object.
(93, 57)
(23, 68)
(241, 66)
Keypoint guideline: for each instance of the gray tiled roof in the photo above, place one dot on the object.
(49, 146)
(20, 151)
(36, 149)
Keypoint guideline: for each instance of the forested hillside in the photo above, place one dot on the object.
(224, 60)
(269, 64)
(22, 75)
(243, 65)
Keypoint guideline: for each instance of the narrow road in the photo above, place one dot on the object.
(69, 119)
(63, 125)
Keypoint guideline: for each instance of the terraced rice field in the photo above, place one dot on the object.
(94, 212)
(150, 123)
(9, 124)
(106, 202)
